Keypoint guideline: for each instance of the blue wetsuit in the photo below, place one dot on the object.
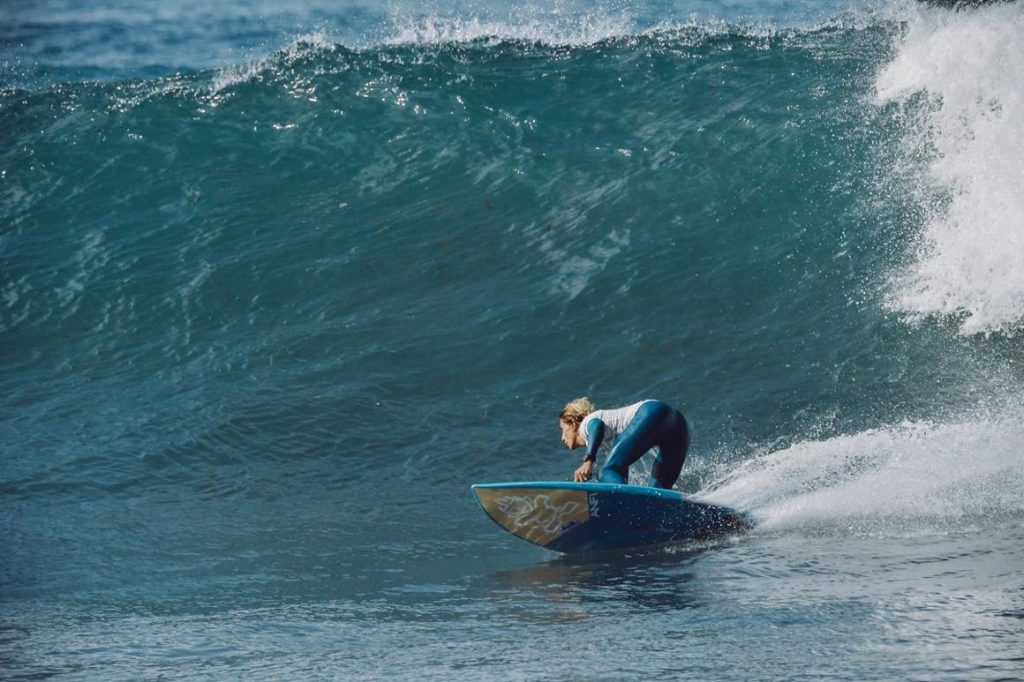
(656, 424)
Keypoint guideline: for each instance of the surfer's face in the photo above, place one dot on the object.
(568, 434)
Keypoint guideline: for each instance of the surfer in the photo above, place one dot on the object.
(629, 432)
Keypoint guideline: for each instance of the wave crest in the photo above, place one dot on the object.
(968, 263)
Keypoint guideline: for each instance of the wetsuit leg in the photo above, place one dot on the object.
(672, 455)
(655, 424)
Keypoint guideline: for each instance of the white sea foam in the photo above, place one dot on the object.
(969, 261)
(241, 73)
(550, 28)
(885, 479)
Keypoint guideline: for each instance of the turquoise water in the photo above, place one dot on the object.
(277, 285)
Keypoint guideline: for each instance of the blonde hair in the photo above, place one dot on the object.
(575, 410)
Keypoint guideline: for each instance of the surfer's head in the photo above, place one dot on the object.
(569, 420)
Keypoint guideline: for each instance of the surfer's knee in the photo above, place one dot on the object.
(610, 475)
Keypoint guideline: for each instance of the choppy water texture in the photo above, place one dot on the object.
(277, 285)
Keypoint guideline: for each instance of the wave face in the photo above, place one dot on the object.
(266, 313)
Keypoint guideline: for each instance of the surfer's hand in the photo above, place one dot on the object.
(583, 473)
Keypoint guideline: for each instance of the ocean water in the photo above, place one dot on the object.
(279, 281)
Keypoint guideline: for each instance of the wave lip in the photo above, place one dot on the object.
(587, 30)
(961, 75)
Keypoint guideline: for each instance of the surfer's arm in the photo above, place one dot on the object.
(593, 433)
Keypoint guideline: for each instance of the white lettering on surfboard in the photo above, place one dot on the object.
(593, 505)
(536, 511)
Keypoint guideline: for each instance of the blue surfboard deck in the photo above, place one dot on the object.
(591, 517)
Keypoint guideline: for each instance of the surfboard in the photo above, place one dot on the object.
(589, 517)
